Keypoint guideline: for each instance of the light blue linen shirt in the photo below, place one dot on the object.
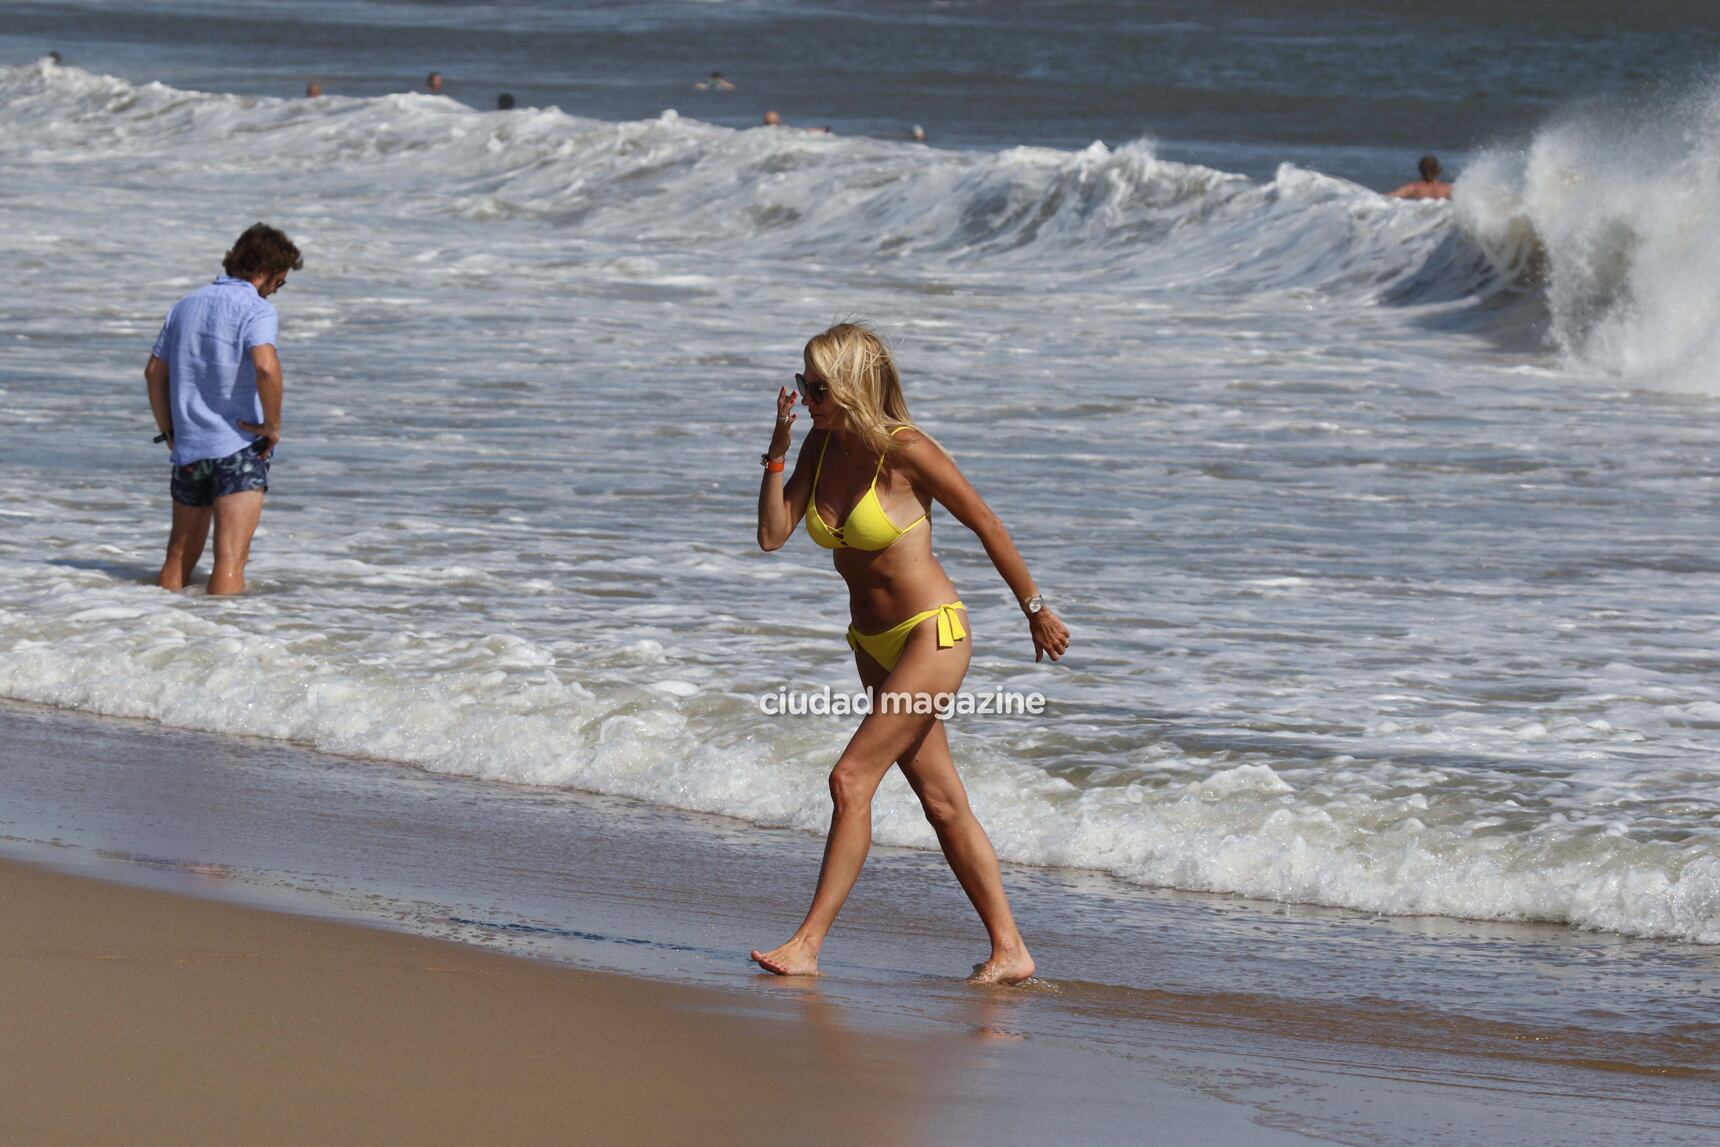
(206, 343)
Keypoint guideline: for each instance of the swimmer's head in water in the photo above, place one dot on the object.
(773, 119)
(865, 390)
(1429, 168)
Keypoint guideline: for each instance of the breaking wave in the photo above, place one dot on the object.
(1614, 212)
(1121, 212)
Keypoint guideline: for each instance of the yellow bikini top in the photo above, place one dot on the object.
(867, 527)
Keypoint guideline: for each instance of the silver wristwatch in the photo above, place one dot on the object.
(1033, 605)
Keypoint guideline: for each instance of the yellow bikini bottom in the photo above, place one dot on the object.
(886, 648)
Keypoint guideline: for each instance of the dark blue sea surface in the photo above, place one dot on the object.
(1348, 87)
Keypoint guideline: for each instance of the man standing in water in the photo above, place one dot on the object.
(1429, 187)
(215, 389)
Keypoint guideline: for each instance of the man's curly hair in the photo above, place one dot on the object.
(262, 250)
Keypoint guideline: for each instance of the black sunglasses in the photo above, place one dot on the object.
(811, 391)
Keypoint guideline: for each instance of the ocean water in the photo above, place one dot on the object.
(1386, 531)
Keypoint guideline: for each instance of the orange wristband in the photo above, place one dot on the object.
(777, 466)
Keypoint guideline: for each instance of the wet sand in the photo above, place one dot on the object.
(137, 1016)
(155, 994)
(140, 1017)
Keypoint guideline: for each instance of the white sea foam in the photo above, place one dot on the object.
(502, 708)
(1366, 613)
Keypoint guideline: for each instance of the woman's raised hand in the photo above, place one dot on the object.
(785, 416)
(1050, 635)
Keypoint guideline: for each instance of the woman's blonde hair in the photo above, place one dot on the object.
(862, 377)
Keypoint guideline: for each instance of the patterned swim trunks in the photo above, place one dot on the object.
(200, 483)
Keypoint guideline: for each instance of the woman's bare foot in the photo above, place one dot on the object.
(795, 958)
(1011, 967)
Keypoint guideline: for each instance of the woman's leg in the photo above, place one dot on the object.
(932, 773)
(882, 739)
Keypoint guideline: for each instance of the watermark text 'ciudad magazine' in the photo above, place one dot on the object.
(826, 702)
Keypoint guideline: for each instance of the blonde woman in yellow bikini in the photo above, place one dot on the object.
(863, 469)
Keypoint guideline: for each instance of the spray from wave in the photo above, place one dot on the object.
(1615, 212)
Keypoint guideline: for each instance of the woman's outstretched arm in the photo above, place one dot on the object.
(936, 472)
